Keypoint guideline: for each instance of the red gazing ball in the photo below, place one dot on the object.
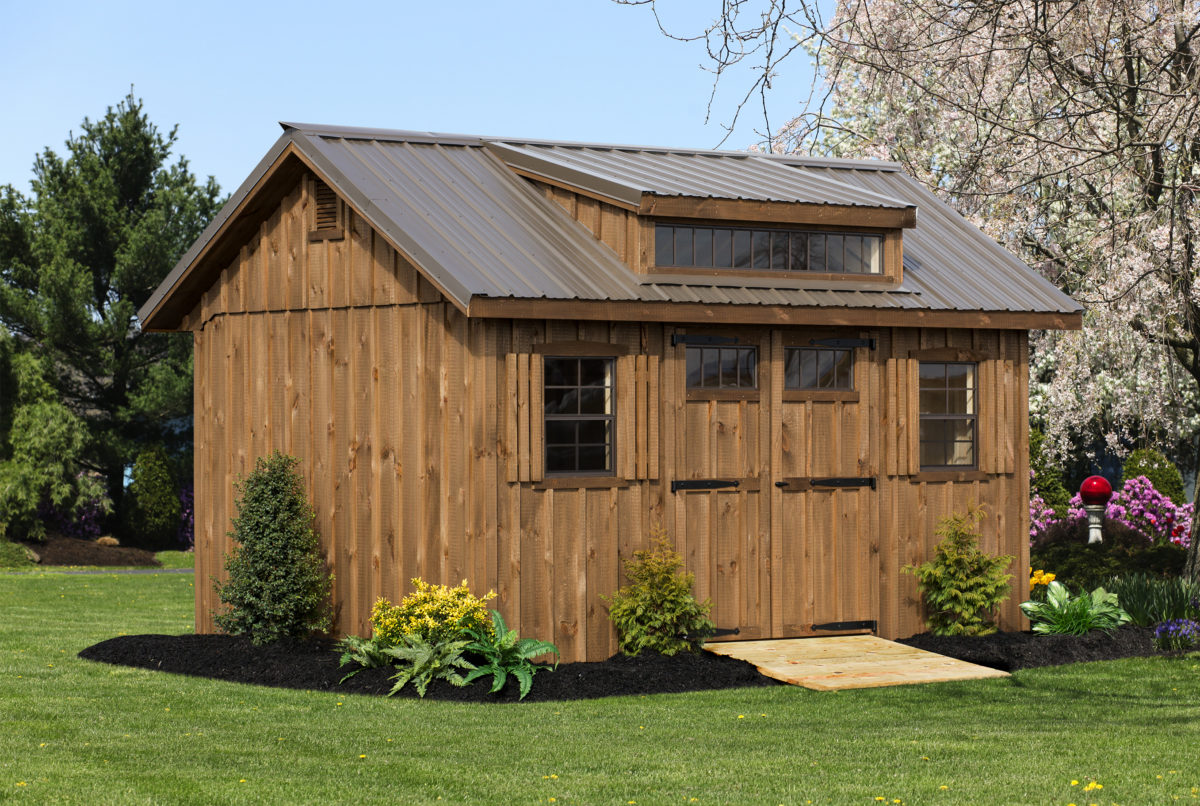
(1095, 491)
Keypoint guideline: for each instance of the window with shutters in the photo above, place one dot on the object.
(948, 411)
(578, 407)
(327, 221)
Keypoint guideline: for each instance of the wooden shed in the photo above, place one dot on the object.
(507, 361)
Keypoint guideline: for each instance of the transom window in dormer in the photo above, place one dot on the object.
(687, 246)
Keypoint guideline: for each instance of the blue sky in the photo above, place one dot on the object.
(227, 72)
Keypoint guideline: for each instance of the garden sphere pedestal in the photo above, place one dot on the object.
(1095, 492)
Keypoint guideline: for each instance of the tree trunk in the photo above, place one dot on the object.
(1191, 570)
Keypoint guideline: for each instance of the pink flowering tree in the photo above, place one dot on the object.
(1068, 132)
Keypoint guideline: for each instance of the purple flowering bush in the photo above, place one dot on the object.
(1139, 506)
(1041, 515)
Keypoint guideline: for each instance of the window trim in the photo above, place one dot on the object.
(973, 417)
(578, 351)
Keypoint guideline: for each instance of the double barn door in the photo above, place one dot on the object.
(774, 482)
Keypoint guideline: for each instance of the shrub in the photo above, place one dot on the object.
(421, 662)
(1160, 471)
(153, 506)
(13, 555)
(1064, 549)
(657, 610)
(962, 586)
(1139, 506)
(1064, 614)
(1041, 517)
(278, 586)
(1177, 634)
(502, 653)
(185, 535)
(433, 612)
(1046, 477)
(1150, 600)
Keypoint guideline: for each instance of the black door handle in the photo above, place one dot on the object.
(781, 484)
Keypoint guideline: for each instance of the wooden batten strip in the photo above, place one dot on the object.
(641, 426)
(522, 398)
(626, 418)
(537, 422)
(652, 408)
(912, 416)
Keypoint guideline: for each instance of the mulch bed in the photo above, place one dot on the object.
(62, 550)
(314, 665)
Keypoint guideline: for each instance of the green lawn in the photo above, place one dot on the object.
(72, 731)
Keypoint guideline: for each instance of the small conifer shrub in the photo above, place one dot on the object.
(657, 610)
(962, 586)
(278, 585)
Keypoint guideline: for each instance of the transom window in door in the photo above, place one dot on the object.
(818, 368)
(722, 367)
(578, 403)
(948, 415)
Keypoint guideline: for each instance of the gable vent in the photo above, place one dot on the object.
(327, 220)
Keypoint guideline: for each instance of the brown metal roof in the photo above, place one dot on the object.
(454, 205)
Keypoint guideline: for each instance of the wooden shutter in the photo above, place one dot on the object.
(637, 417)
(524, 418)
(903, 420)
(328, 214)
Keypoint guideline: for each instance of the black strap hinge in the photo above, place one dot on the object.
(857, 481)
(702, 484)
(836, 626)
(868, 343)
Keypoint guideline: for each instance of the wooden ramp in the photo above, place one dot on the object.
(849, 661)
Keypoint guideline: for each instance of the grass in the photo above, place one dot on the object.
(72, 731)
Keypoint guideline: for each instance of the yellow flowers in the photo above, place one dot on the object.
(1039, 577)
(432, 612)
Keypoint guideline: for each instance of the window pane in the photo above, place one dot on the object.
(834, 249)
(560, 459)
(816, 252)
(561, 371)
(854, 253)
(933, 430)
(960, 453)
(593, 432)
(694, 374)
(808, 369)
(933, 375)
(594, 371)
(561, 432)
(958, 402)
(562, 401)
(873, 254)
(593, 400)
(960, 376)
(729, 373)
(933, 454)
(779, 251)
(712, 368)
(593, 458)
(748, 368)
(664, 246)
(723, 248)
(791, 368)
(799, 251)
(825, 369)
(961, 430)
(704, 246)
(762, 249)
(683, 246)
(741, 249)
(845, 369)
(933, 401)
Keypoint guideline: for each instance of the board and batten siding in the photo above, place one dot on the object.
(419, 436)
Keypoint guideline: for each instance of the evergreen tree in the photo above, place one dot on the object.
(103, 226)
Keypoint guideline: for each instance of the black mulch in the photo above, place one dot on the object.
(60, 550)
(1010, 651)
(314, 665)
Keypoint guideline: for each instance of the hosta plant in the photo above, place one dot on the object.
(504, 654)
(420, 662)
(1064, 614)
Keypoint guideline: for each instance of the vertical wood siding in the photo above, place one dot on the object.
(419, 435)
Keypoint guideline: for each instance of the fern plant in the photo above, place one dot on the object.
(962, 586)
(420, 662)
(368, 653)
(657, 610)
(504, 653)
